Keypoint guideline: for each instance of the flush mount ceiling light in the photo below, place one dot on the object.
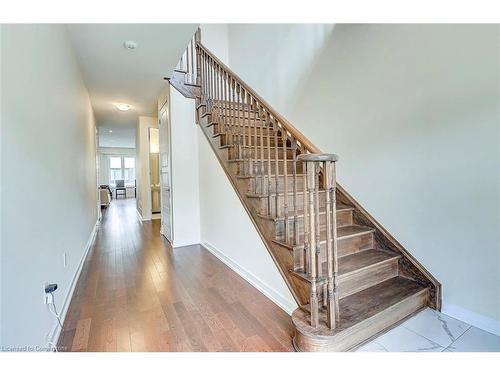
(123, 107)
(130, 44)
(111, 131)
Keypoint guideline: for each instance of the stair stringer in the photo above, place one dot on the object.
(186, 89)
(408, 266)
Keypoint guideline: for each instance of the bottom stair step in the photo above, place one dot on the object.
(359, 271)
(362, 316)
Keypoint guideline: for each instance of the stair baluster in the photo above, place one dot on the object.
(268, 134)
(295, 181)
(197, 38)
(261, 162)
(232, 110)
(217, 92)
(225, 123)
(305, 205)
(284, 138)
(250, 135)
(209, 81)
(275, 129)
(246, 132)
(332, 256)
(312, 188)
(238, 118)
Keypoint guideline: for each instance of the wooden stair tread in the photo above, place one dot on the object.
(273, 177)
(289, 148)
(354, 262)
(258, 195)
(362, 305)
(244, 116)
(362, 259)
(367, 303)
(352, 230)
(342, 233)
(300, 213)
(289, 160)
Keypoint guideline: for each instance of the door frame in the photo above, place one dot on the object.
(165, 107)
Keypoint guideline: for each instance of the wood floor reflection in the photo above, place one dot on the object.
(136, 293)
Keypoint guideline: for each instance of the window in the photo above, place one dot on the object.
(129, 169)
(115, 169)
(122, 168)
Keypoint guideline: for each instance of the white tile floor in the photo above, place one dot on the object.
(432, 331)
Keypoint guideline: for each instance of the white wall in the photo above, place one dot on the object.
(413, 112)
(1, 183)
(226, 229)
(185, 179)
(142, 165)
(286, 54)
(215, 36)
(48, 176)
(228, 232)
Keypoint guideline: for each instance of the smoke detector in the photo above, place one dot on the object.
(130, 45)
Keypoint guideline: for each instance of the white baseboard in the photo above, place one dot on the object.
(139, 216)
(147, 217)
(56, 330)
(177, 244)
(477, 320)
(283, 302)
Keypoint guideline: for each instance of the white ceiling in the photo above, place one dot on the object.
(118, 136)
(114, 74)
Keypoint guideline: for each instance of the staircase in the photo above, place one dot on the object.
(350, 278)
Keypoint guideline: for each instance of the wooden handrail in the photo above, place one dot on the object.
(283, 121)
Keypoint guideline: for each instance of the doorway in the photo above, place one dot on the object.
(154, 170)
(164, 137)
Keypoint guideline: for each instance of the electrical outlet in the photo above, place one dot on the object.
(46, 296)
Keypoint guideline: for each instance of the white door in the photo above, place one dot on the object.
(165, 173)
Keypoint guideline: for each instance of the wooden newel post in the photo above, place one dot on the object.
(313, 164)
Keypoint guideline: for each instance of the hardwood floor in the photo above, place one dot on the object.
(136, 293)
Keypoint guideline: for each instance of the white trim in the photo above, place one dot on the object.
(477, 320)
(54, 334)
(152, 217)
(176, 244)
(139, 216)
(282, 301)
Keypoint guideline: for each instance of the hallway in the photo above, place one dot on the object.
(136, 293)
